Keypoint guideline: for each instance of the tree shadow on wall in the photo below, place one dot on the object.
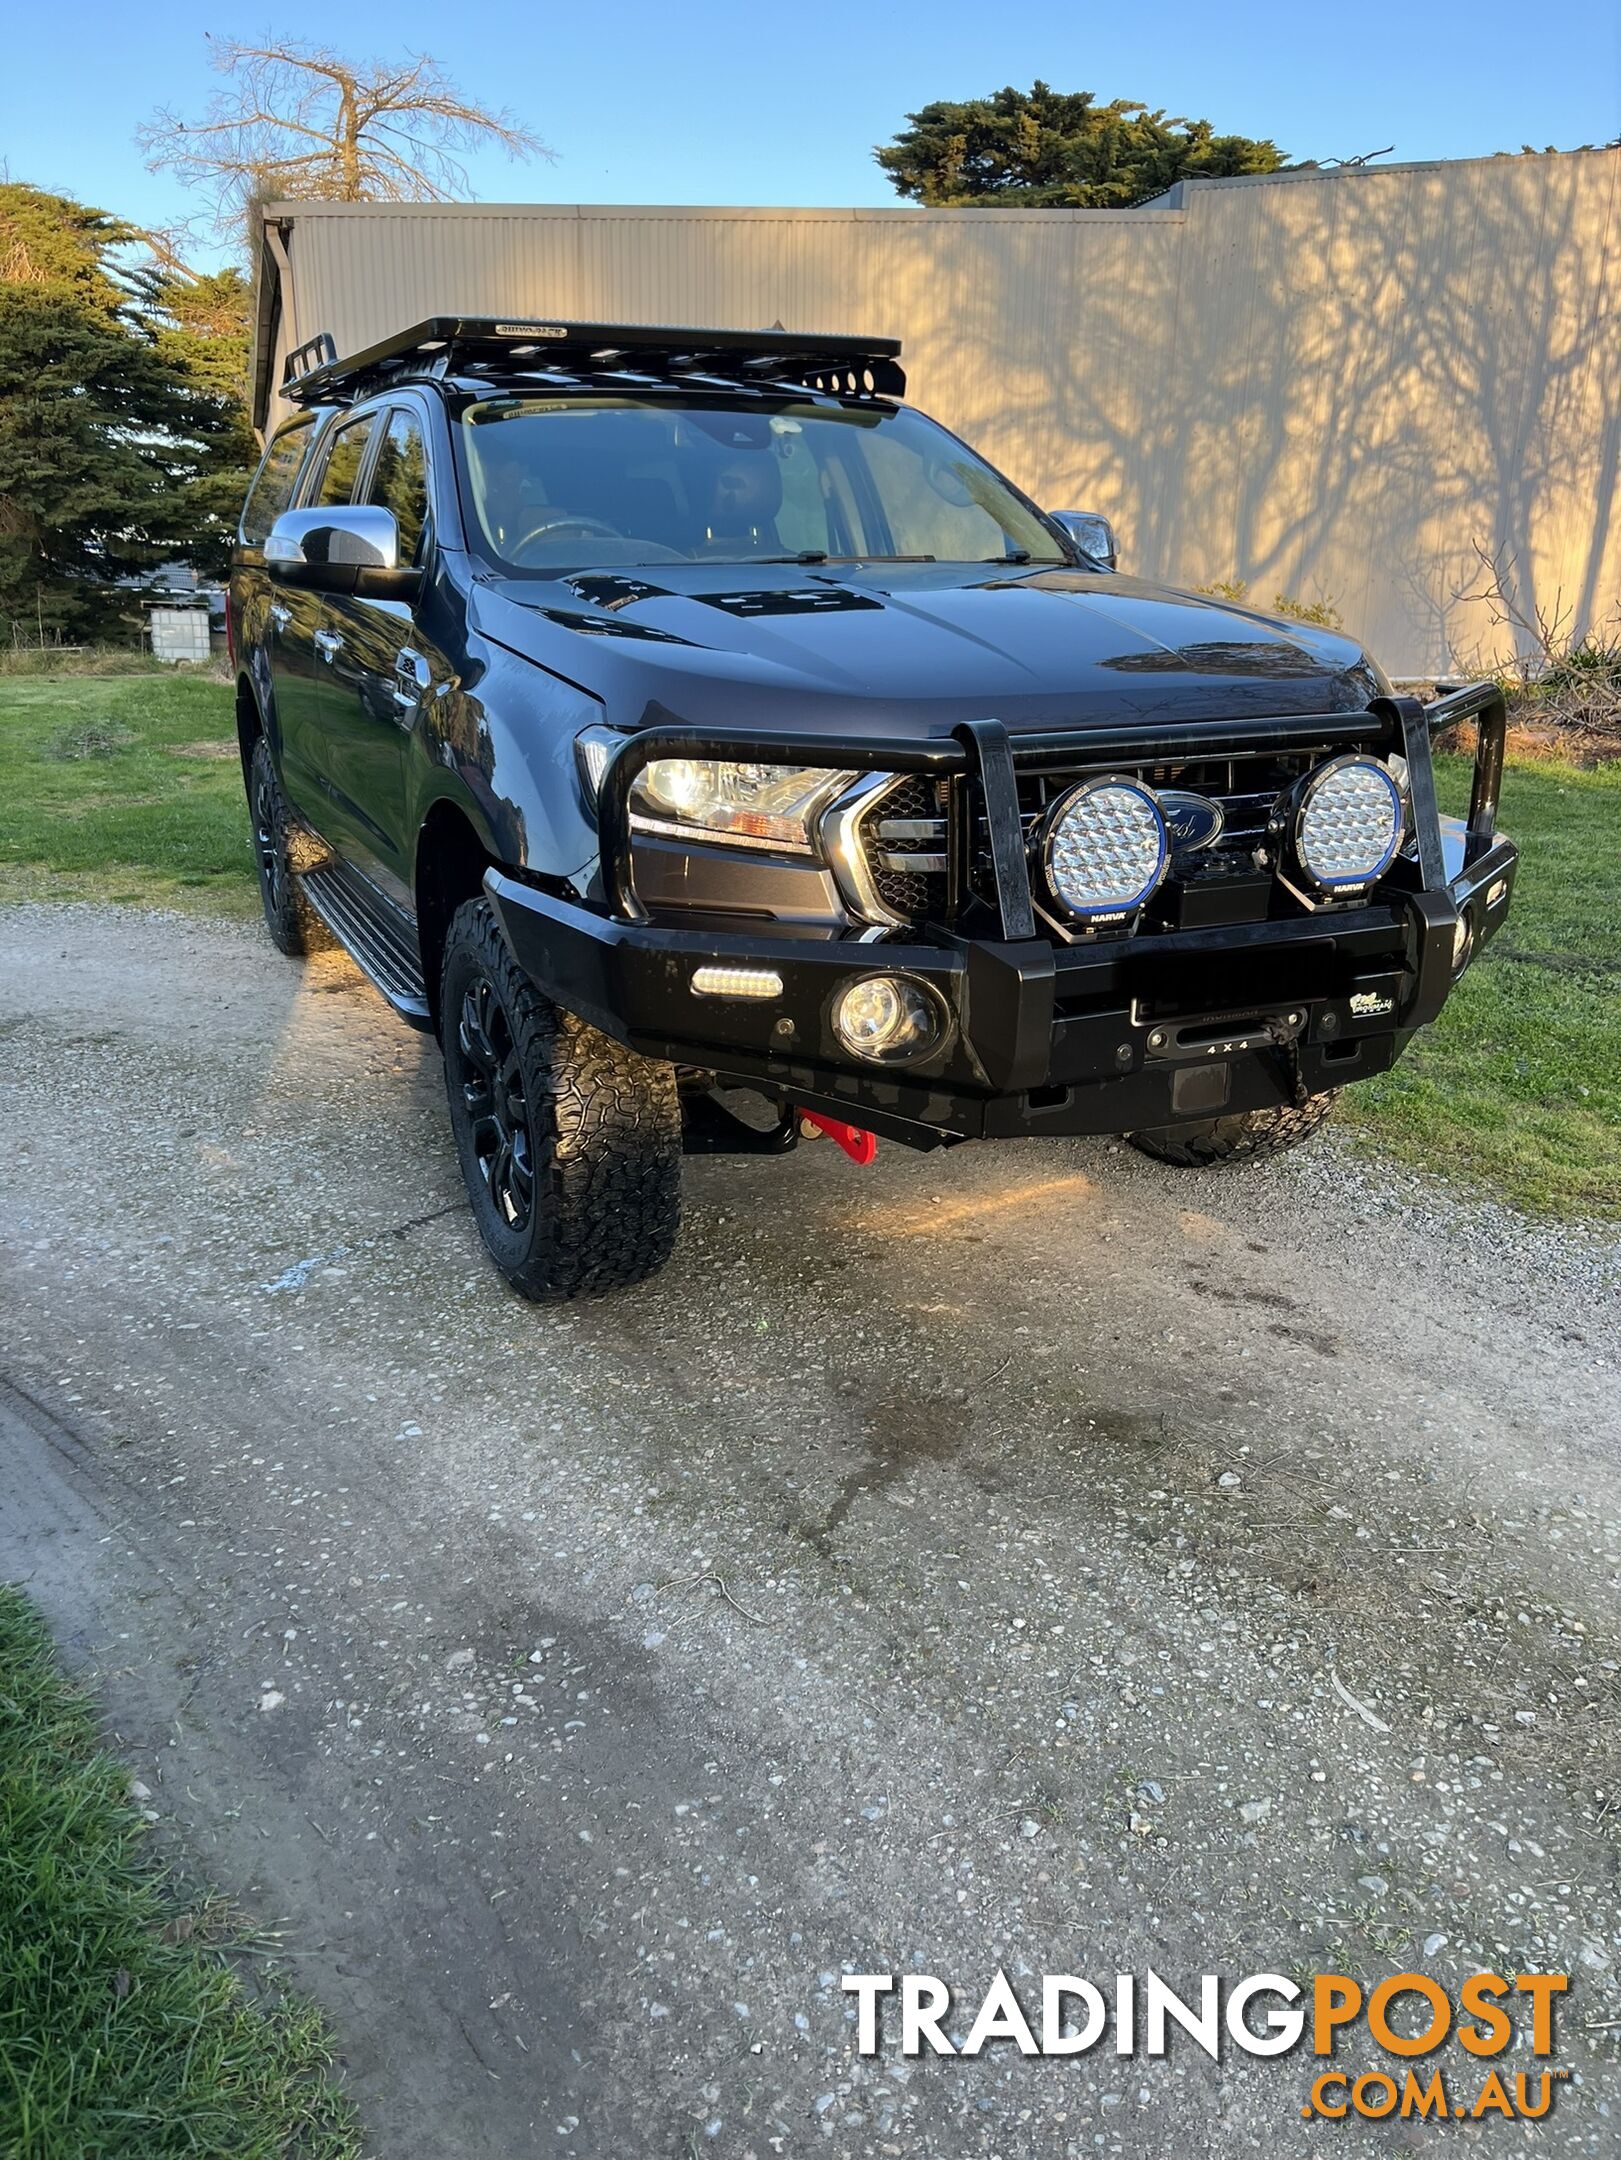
(1330, 386)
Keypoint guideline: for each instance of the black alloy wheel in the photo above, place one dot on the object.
(570, 1144)
(492, 1085)
(272, 876)
(288, 915)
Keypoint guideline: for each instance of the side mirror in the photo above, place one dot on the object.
(349, 548)
(1093, 535)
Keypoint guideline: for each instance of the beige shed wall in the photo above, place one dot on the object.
(1330, 386)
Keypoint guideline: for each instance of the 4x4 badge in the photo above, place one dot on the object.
(1191, 821)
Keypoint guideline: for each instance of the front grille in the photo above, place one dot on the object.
(1245, 786)
(904, 836)
(909, 837)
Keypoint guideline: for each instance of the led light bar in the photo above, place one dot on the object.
(736, 982)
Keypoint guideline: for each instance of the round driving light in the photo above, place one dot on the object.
(1463, 943)
(1105, 849)
(1349, 824)
(887, 1018)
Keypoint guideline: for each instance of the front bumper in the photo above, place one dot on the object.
(1107, 1036)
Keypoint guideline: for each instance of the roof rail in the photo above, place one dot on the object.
(318, 351)
(565, 354)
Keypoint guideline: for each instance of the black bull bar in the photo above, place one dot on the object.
(1046, 1037)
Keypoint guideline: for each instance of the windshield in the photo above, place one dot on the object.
(566, 483)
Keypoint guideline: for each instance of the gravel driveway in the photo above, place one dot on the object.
(1028, 1557)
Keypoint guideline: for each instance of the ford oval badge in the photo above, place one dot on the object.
(1191, 821)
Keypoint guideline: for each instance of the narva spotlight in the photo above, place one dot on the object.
(1105, 850)
(1349, 822)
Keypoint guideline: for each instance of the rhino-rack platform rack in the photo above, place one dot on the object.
(572, 355)
(1101, 1034)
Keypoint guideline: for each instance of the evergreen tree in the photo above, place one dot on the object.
(1046, 148)
(199, 323)
(103, 438)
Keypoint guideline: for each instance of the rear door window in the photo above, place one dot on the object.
(345, 456)
(273, 484)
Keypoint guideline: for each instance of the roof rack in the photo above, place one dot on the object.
(566, 354)
(318, 351)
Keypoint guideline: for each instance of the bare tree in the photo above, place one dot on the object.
(1542, 635)
(300, 120)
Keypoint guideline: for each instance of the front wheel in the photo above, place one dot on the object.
(1247, 1136)
(570, 1144)
(289, 917)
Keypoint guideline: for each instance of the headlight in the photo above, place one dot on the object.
(1105, 849)
(763, 806)
(769, 805)
(1349, 823)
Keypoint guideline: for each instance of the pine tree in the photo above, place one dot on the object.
(1046, 148)
(199, 324)
(103, 438)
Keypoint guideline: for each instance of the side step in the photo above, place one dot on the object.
(377, 937)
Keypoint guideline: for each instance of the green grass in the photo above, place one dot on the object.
(1517, 1087)
(124, 2033)
(123, 788)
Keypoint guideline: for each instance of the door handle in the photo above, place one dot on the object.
(328, 644)
(280, 616)
(413, 678)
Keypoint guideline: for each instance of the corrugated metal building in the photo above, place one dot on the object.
(1331, 385)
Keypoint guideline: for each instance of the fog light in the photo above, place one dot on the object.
(1349, 824)
(736, 982)
(887, 1018)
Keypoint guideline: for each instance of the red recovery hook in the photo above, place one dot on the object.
(860, 1146)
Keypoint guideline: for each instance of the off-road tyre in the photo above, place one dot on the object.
(293, 924)
(570, 1144)
(1249, 1136)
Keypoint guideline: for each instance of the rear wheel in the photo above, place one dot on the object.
(570, 1144)
(1248, 1136)
(288, 916)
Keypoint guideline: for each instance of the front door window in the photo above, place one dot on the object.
(399, 481)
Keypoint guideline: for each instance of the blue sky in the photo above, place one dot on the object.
(703, 103)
